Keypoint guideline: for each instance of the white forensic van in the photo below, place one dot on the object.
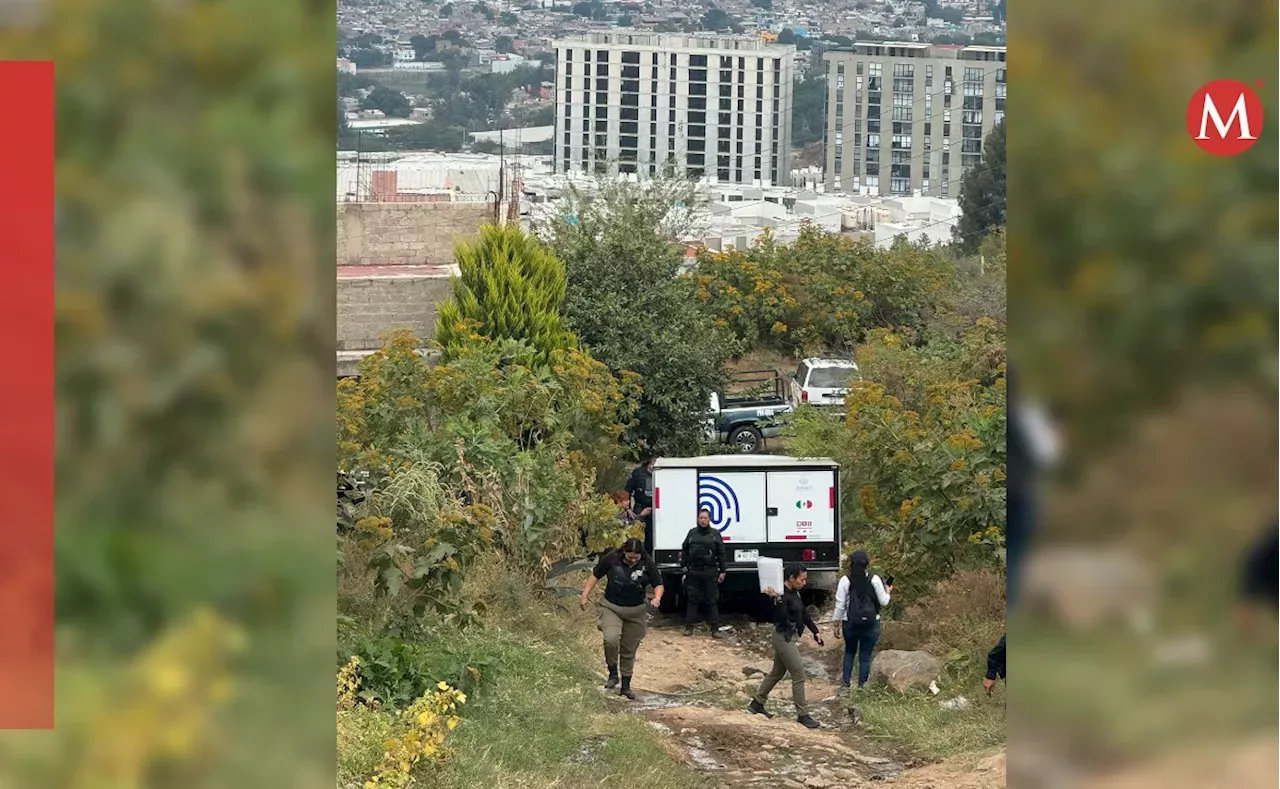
(763, 505)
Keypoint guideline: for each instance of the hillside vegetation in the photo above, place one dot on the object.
(475, 482)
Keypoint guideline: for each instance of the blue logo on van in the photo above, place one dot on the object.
(716, 496)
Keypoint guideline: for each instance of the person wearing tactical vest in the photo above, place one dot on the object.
(623, 611)
(790, 618)
(859, 598)
(704, 568)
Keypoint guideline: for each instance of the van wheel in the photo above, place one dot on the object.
(746, 440)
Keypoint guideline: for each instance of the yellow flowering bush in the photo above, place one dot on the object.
(824, 291)
(419, 737)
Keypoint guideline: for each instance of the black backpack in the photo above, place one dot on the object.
(862, 610)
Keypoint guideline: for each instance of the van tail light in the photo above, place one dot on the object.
(804, 396)
(657, 498)
(808, 555)
(831, 497)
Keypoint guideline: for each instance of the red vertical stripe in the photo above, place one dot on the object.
(831, 497)
(657, 498)
(26, 397)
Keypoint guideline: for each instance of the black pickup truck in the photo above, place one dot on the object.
(745, 413)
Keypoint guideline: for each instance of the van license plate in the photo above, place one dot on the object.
(745, 556)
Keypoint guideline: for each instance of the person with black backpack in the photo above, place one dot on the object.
(859, 598)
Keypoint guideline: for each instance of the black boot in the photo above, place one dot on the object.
(808, 723)
(626, 689)
(612, 681)
(757, 708)
(715, 631)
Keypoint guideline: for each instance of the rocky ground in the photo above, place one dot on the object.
(695, 689)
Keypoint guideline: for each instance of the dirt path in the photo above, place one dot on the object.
(695, 689)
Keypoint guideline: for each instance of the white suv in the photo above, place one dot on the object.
(823, 382)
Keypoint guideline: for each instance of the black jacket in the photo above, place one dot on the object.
(995, 660)
(703, 550)
(639, 487)
(790, 617)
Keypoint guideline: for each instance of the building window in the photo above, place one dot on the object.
(900, 186)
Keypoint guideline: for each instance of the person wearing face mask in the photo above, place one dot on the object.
(704, 567)
(623, 611)
(790, 618)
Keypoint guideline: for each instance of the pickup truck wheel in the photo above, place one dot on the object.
(746, 440)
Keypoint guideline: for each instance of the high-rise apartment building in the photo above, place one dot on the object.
(691, 105)
(904, 117)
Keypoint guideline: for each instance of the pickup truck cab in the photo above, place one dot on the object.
(745, 414)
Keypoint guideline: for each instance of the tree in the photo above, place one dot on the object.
(510, 287)
(766, 5)
(716, 18)
(445, 11)
(350, 84)
(369, 58)
(503, 44)
(787, 36)
(629, 306)
(982, 193)
(625, 20)
(508, 19)
(392, 102)
(422, 46)
(808, 114)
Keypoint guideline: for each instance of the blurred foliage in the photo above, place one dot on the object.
(194, 330)
(822, 293)
(509, 287)
(629, 306)
(1140, 265)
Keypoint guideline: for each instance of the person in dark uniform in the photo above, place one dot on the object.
(995, 666)
(704, 566)
(640, 491)
(790, 618)
(623, 611)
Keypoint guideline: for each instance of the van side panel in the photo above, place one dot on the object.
(803, 506)
(675, 511)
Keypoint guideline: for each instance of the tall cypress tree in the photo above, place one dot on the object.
(982, 195)
(510, 287)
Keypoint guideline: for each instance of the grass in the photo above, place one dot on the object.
(539, 721)
(916, 722)
(543, 723)
(958, 622)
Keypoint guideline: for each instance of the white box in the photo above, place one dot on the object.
(770, 571)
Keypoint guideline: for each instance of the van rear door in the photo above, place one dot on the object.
(675, 508)
(736, 500)
(802, 506)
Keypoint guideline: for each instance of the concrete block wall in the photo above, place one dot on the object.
(405, 234)
(368, 307)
